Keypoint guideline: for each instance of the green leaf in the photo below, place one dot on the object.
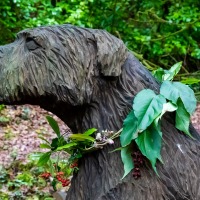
(54, 143)
(61, 141)
(54, 125)
(51, 167)
(44, 159)
(54, 183)
(66, 146)
(158, 74)
(81, 137)
(182, 118)
(117, 149)
(129, 131)
(174, 90)
(45, 146)
(127, 159)
(149, 143)
(169, 74)
(34, 156)
(147, 106)
(90, 131)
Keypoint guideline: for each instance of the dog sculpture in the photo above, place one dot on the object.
(88, 78)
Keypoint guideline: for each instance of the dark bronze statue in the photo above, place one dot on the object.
(89, 79)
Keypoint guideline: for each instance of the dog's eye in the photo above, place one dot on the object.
(32, 44)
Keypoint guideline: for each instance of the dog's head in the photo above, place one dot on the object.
(58, 63)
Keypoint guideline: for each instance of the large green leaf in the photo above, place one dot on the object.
(81, 137)
(44, 159)
(149, 143)
(67, 146)
(127, 159)
(174, 90)
(54, 125)
(182, 118)
(129, 131)
(147, 106)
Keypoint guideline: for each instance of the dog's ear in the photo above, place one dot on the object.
(111, 53)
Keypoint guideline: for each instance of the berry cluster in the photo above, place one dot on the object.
(138, 160)
(59, 177)
(45, 175)
(73, 165)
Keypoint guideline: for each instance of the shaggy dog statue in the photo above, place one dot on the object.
(88, 78)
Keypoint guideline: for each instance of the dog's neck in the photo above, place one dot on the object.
(112, 99)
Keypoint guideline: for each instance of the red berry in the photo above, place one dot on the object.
(45, 175)
(60, 173)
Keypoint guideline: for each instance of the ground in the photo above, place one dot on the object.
(19, 129)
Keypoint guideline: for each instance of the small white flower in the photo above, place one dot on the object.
(98, 136)
(51, 178)
(110, 141)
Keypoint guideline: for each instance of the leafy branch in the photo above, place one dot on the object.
(176, 32)
(143, 124)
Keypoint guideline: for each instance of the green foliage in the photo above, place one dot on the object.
(127, 159)
(81, 137)
(129, 131)
(163, 32)
(148, 108)
(74, 144)
(175, 90)
(26, 178)
(54, 125)
(182, 118)
(142, 125)
(2, 107)
(44, 159)
(164, 75)
(159, 33)
(22, 181)
(149, 143)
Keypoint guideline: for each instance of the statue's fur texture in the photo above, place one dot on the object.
(88, 78)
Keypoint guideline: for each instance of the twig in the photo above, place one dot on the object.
(179, 31)
(99, 145)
